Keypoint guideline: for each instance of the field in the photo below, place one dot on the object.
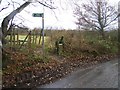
(78, 49)
(22, 37)
(76, 43)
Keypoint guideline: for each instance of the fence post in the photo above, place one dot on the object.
(40, 37)
(29, 41)
(13, 37)
(25, 40)
(17, 38)
(33, 36)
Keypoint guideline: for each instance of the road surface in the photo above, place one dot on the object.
(104, 75)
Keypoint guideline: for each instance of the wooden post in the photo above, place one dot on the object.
(40, 37)
(9, 38)
(51, 37)
(13, 37)
(17, 38)
(29, 41)
(25, 40)
(35, 37)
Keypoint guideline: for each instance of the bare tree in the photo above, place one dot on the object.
(10, 17)
(97, 15)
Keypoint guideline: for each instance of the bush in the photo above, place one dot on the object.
(86, 42)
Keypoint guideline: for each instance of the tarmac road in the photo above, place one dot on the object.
(104, 75)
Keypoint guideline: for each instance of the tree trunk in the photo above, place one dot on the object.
(7, 19)
(102, 33)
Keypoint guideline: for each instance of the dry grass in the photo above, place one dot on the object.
(88, 42)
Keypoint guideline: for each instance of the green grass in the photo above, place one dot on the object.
(22, 37)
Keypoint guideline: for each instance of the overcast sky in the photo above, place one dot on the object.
(62, 17)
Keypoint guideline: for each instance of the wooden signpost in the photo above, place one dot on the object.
(41, 15)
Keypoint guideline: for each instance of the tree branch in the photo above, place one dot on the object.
(0, 1)
(5, 7)
(46, 5)
(7, 19)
